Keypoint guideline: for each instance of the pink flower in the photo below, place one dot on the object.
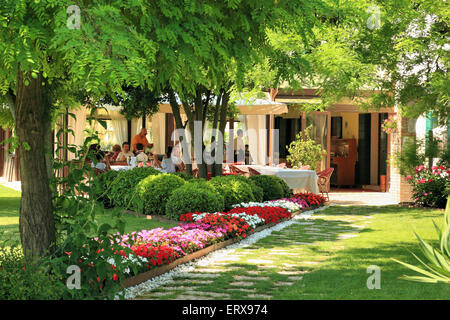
(425, 194)
(408, 178)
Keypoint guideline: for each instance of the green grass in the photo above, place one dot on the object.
(9, 217)
(332, 267)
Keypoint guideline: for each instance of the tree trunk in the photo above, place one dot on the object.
(36, 221)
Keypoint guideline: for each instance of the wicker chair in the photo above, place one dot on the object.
(253, 172)
(323, 178)
(195, 172)
(238, 171)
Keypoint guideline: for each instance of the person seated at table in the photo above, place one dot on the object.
(140, 154)
(116, 150)
(102, 160)
(125, 152)
(140, 138)
(239, 149)
(156, 163)
(167, 164)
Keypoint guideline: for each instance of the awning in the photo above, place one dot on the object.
(249, 107)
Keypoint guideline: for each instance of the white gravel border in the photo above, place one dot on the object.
(185, 268)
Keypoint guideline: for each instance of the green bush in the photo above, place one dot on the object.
(22, 281)
(155, 190)
(233, 190)
(287, 193)
(257, 191)
(193, 197)
(123, 188)
(272, 189)
(183, 175)
(102, 184)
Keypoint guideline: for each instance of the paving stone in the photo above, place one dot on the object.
(209, 294)
(200, 275)
(259, 261)
(283, 283)
(292, 272)
(347, 236)
(242, 283)
(192, 297)
(295, 278)
(242, 290)
(249, 278)
(210, 270)
(259, 296)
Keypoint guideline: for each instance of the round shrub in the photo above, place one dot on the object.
(155, 190)
(193, 197)
(287, 193)
(233, 190)
(257, 191)
(123, 188)
(183, 175)
(272, 189)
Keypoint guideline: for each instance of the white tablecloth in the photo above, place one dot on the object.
(296, 179)
(117, 168)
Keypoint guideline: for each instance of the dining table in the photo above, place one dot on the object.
(297, 179)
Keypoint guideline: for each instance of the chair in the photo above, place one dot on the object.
(253, 172)
(323, 178)
(238, 171)
(195, 172)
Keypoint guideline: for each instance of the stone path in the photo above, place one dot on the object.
(266, 268)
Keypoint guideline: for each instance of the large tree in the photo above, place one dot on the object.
(43, 51)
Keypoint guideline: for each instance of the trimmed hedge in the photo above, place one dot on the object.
(183, 175)
(287, 193)
(193, 197)
(123, 188)
(233, 190)
(272, 189)
(155, 190)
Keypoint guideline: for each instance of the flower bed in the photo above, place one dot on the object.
(149, 253)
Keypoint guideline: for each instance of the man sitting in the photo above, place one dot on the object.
(140, 154)
(125, 152)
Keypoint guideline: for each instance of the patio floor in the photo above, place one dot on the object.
(351, 197)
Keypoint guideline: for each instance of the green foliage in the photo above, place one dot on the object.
(155, 190)
(20, 280)
(287, 193)
(304, 150)
(233, 190)
(102, 186)
(272, 189)
(123, 188)
(410, 157)
(183, 175)
(257, 191)
(436, 265)
(193, 197)
(430, 186)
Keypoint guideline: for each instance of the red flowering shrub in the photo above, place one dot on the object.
(311, 198)
(156, 255)
(430, 186)
(269, 214)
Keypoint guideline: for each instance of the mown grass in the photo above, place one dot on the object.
(336, 268)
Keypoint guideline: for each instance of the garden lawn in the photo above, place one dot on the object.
(325, 257)
(9, 217)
